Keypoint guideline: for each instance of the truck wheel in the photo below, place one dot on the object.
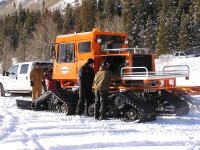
(111, 113)
(132, 113)
(91, 110)
(2, 92)
(64, 108)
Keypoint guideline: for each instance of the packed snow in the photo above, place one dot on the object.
(26, 129)
(37, 130)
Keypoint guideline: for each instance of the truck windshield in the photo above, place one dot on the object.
(110, 42)
(65, 53)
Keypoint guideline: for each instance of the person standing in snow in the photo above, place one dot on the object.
(50, 83)
(101, 86)
(86, 78)
(37, 80)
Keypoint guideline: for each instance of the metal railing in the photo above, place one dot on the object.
(133, 50)
(130, 73)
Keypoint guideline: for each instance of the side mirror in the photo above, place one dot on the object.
(52, 51)
(3, 73)
(7, 73)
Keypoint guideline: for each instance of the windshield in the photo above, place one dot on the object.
(66, 53)
(110, 42)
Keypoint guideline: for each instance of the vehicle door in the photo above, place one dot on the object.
(65, 68)
(84, 52)
(23, 78)
(11, 78)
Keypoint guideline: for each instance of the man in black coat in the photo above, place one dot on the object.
(86, 96)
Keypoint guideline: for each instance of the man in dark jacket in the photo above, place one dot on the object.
(101, 87)
(86, 78)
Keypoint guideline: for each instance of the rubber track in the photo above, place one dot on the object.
(145, 112)
(50, 99)
(181, 106)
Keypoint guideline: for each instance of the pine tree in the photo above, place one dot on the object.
(58, 20)
(110, 8)
(69, 20)
(100, 13)
(183, 35)
(162, 39)
(149, 38)
(195, 21)
(88, 13)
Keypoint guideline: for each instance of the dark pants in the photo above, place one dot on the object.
(101, 98)
(86, 97)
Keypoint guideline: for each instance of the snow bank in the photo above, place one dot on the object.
(194, 67)
(35, 130)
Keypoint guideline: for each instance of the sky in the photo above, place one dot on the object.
(38, 130)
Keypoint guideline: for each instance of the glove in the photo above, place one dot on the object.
(31, 83)
(43, 83)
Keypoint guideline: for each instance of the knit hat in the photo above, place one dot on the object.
(105, 63)
(90, 61)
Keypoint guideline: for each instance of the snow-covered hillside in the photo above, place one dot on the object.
(9, 6)
(35, 130)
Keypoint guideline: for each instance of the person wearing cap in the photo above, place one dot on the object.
(37, 80)
(101, 86)
(86, 78)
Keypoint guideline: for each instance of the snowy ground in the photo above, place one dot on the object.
(26, 129)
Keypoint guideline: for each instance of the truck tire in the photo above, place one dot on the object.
(2, 92)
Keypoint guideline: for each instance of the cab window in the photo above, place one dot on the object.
(110, 42)
(84, 47)
(24, 69)
(13, 70)
(66, 53)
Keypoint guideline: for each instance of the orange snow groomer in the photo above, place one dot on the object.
(37, 80)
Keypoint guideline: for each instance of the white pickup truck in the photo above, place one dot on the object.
(17, 78)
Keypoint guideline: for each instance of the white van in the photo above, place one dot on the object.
(17, 78)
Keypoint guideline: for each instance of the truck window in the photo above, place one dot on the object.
(176, 54)
(66, 53)
(24, 69)
(84, 47)
(13, 70)
(182, 54)
(110, 42)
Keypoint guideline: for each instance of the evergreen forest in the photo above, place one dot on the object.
(164, 26)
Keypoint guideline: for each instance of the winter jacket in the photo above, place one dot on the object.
(50, 83)
(37, 75)
(86, 76)
(102, 79)
(48, 74)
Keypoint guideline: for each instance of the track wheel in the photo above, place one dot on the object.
(111, 113)
(64, 108)
(91, 110)
(57, 107)
(132, 114)
(50, 107)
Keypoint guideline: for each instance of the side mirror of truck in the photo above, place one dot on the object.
(52, 51)
(7, 73)
(3, 73)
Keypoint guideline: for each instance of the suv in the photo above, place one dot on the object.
(17, 78)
